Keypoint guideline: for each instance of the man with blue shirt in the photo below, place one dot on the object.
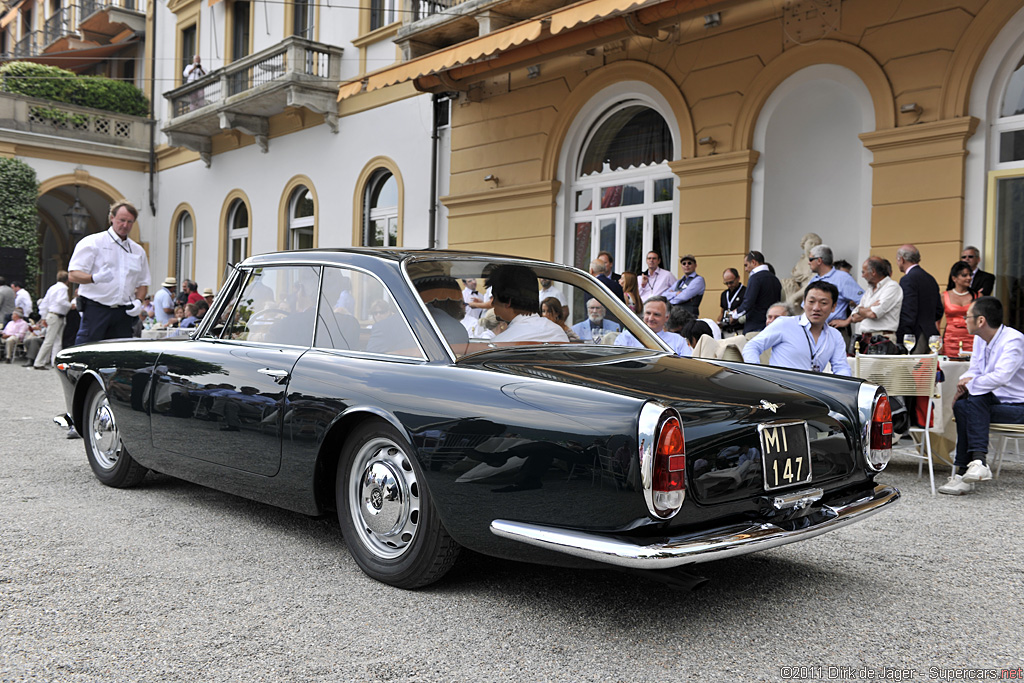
(820, 261)
(805, 342)
(689, 290)
(656, 311)
(596, 325)
(992, 390)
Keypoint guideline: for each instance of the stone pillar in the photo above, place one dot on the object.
(714, 216)
(917, 192)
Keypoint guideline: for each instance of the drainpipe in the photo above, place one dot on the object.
(152, 112)
(434, 137)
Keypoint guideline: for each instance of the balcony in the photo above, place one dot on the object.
(56, 27)
(102, 20)
(31, 121)
(245, 94)
(436, 24)
(26, 47)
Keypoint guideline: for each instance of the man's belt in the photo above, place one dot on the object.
(116, 308)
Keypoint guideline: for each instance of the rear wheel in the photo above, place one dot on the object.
(389, 522)
(108, 458)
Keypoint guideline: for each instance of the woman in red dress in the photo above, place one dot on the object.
(956, 301)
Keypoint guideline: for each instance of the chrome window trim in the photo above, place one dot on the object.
(620, 308)
(398, 311)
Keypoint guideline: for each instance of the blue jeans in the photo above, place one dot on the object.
(973, 416)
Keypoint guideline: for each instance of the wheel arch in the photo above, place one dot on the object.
(330, 448)
(88, 378)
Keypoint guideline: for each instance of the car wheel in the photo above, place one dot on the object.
(389, 522)
(108, 458)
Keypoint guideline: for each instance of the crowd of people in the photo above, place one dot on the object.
(105, 294)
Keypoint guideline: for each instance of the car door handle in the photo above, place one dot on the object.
(278, 376)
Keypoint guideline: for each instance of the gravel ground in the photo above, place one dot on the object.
(175, 582)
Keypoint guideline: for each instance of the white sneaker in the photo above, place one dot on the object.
(956, 486)
(977, 471)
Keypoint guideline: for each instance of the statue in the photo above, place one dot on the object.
(793, 287)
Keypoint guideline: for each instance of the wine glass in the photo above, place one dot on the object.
(908, 341)
(934, 342)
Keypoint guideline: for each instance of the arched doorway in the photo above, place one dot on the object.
(57, 241)
(814, 174)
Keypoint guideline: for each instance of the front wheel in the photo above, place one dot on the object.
(108, 458)
(389, 522)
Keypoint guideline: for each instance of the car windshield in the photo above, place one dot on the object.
(480, 304)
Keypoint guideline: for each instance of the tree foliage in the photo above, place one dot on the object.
(59, 85)
(19, 190)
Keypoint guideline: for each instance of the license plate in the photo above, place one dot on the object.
(785, 454)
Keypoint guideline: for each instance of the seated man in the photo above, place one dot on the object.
(14, 332)
(992, 390)
(656, 315)
(596, 325)
(517, 301)
(807, 342)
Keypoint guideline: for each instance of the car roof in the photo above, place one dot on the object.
(353, 255)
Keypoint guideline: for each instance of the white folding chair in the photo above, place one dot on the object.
(1005, 432)
(907, 376)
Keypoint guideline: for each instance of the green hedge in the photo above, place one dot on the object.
(19, 190)
(60, 85)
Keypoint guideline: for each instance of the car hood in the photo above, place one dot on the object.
(721, 407)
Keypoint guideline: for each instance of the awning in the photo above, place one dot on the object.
(484, 46)
(11, 14)
(500, 41)
(584, 12)
(76, 59)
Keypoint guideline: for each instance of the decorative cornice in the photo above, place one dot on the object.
(514, 196)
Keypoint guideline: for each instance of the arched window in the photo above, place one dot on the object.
(380, 220)
(300, 219)
(1006, 197)
(623, 190)
(184, 248)
(238, 232)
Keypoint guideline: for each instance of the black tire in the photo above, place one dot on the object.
(389, 522)
(108, 458)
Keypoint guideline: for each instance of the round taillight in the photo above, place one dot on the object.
(880, 448)
(669, 486)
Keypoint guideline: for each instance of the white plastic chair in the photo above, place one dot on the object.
(1005, 432)
(907, 376)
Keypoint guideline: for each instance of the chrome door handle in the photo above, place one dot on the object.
(278, 376)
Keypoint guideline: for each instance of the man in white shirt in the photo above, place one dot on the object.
(194, 71)
(656, 312)
(655, 281)
(22, 299)
(516, 301)
(807, 342)
(114, 276)
(879, 309)
(54, 308)
(163, 301)
(548, 289)
(992, 390)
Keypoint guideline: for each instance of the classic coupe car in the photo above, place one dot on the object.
(345, 381)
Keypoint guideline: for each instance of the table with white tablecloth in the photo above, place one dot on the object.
(944, 442)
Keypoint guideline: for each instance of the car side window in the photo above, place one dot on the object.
(276, 306)
(358, 313)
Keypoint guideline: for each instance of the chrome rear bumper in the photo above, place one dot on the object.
(693, 548)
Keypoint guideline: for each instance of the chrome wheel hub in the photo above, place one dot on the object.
(106, 442)
(384, 498)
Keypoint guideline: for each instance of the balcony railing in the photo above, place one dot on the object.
(91, 6)
(32, 115)
(293, 56)
(26, 47)
(421, 9)
(56, 26)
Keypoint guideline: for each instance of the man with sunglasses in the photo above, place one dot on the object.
(992, 390)
(689, 290)
(981, 282)
(763, 290)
